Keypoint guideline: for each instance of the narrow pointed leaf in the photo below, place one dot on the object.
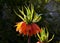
(18, 15)
(28, 13)
(47, 33)
(51, 38)
(35, 17)
(22, 12)
(38, 19)
(32, 11)
(38, 36)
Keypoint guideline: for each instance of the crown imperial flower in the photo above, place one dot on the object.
(28, 26)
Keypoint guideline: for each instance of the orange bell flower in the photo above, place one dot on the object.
(27, 29)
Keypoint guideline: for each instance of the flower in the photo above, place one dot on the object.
(28, 26)
(27, 29)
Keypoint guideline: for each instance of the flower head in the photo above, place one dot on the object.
(28, 25)
(27, 29)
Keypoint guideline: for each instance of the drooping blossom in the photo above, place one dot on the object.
(27, 29)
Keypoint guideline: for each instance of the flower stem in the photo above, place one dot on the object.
(28, 39)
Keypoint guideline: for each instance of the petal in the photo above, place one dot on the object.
(23, 28)
(28, 29)
(18, 26)
(35, 28)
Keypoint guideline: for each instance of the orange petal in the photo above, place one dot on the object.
(33, 28)
(36, 28)
(28, 29)
(23, 28)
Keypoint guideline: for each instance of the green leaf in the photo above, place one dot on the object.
(28, 13)
(47, 35)
(32, 11)
(38, 36)
(43, 32)
(39, 18)
(35, 17)
(51, 38)
(22, 12)
(19, 15)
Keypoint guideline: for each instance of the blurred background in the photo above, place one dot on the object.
(50, 10)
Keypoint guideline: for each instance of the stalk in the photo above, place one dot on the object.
(29, 39)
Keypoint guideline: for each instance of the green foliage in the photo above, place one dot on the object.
(30, 16)
(44, 35)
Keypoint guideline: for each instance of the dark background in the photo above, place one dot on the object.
(50, 18)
